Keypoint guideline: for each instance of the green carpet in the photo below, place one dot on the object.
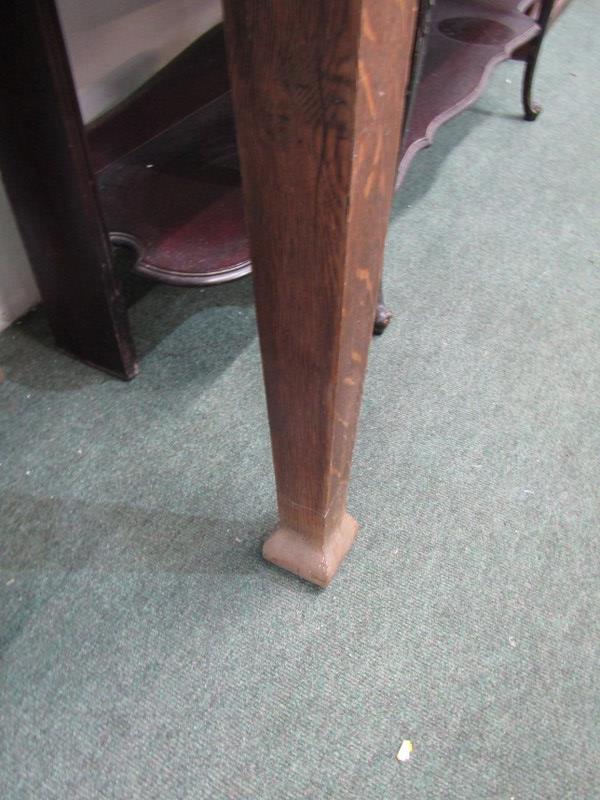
(148, 652)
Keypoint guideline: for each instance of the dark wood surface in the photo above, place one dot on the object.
(318, 93)
(49, 181)
(168, 175)
(465, 40)
(177, 200)
(542, 12)
(166, 158)
(192, 80)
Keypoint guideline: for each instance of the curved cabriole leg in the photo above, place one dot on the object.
(383, 316)
(532, 110)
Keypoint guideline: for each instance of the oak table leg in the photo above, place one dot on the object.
(318, 93)
(45, 166)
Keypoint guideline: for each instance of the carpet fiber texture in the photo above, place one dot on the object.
(148, 653)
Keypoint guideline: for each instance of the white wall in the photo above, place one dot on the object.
(114, 45)
(18, 292)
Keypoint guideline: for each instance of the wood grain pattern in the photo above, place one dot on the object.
(318, 92)
(48, 178)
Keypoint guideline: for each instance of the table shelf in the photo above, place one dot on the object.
(167, 172)
(166, 162)
(465, 41)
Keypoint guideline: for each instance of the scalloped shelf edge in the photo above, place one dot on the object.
(470, 98)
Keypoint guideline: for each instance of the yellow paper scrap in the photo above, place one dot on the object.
(406, 749)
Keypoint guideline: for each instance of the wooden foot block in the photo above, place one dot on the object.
(314, 559)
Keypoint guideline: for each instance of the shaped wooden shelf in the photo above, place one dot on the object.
(166, 163)
(166, 167)
(465, 41)
(177, 200)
